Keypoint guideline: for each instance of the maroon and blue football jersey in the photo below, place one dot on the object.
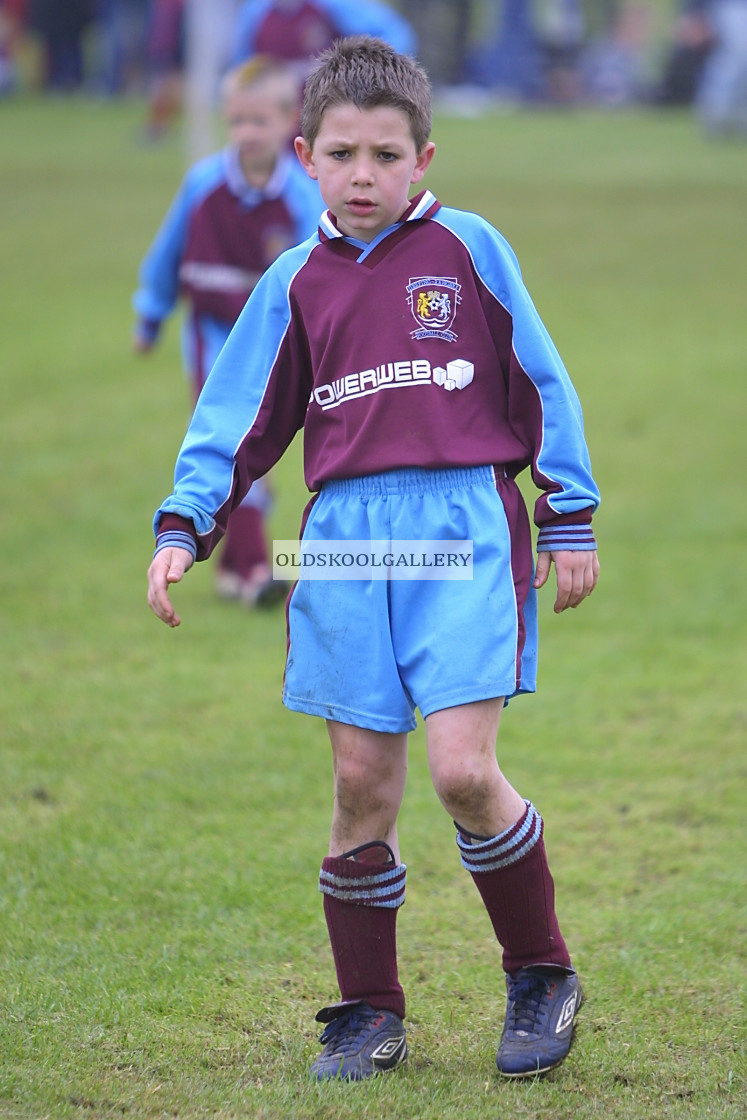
(421, 348)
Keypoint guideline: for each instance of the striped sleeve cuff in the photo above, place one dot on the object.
(176, 538)
(566, 538)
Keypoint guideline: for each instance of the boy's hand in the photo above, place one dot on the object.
(167, 567)
(145, 335)
(577, 574)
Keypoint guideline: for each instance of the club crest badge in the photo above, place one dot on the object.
(433, 301)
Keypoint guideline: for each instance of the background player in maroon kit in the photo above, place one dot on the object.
(296, 31)
(235, 213)
(416, 422)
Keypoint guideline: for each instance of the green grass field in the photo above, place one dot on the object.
(162, 817)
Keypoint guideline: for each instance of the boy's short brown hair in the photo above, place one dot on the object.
(367, 72)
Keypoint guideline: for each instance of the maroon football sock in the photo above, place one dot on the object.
(512, 875)
(361, 900)
(245, 546)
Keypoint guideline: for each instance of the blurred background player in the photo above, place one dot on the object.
(235, 213)
(296, 31)
(721, 99)
(691, 41)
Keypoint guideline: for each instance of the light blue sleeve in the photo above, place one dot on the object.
(366, 17)
(560, 466)
(158, 277)
(228, 407)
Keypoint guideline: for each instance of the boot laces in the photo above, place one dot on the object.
(343, 1033)
(528, 1000)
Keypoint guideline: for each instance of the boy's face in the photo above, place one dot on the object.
(259, 126)
(365, 162)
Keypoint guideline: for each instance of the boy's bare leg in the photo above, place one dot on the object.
(500, 836)
(464, 769)
(370, 769)
(363, 884)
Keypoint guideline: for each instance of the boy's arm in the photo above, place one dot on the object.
(545, 427)
(545, 413)
(253, 404)
(158, 277)
(545, 410)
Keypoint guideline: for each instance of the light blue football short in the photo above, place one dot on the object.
(369, 652)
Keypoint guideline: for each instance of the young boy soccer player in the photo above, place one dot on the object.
(235, 213)
(402, 339)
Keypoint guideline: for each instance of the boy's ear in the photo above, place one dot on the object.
(306, 156)
(422, 162)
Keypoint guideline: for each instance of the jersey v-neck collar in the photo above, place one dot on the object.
(423, 205)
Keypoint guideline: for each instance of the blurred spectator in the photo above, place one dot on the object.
(121, 44)
(510, 63)
(12, 20)
(721, 99)
(60, 24)
(165, 51)
(295, 31)
(561, 28)
(692, 40)
(612, 65)
(442, 28)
